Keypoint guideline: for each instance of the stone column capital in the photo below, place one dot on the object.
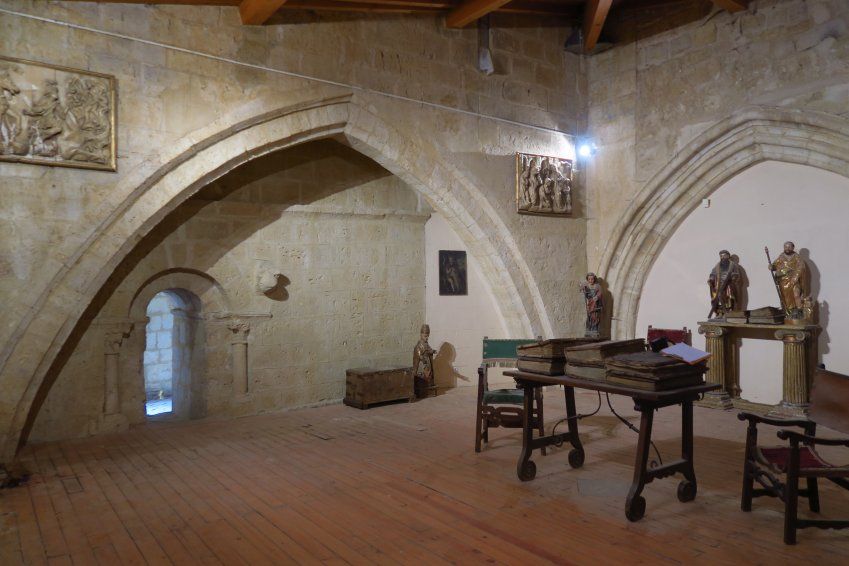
(114, 333)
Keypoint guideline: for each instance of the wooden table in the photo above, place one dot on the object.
(646, 402)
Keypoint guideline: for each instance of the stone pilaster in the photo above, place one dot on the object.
(239, 348)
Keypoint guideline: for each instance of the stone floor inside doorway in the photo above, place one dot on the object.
(396, 484)
(158, 406)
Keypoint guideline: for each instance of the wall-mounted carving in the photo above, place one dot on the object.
(543, 185)
(53, 115)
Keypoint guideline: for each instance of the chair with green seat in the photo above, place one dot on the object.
(502, 407)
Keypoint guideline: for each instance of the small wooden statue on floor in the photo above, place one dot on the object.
(423, 380)
(593, 295)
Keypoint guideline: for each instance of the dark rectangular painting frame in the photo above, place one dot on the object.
(453, 273)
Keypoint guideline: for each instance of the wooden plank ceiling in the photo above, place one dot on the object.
(623, 20)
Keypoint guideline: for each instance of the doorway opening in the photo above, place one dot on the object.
(168, 351)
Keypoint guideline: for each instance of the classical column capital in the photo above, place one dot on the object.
(791, 336)
(240, 330)
(114, 333)
(711, 331)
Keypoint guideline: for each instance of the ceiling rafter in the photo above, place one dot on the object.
(732, 5)
(595, 13)
(257, 12)
(470, 11)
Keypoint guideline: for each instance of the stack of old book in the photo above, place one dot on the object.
(547, 357)
(653, 371)
(766, 315)
(586, 361)
(737, 317)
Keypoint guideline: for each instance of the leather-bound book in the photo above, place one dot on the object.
(595, 353)
(552, 349)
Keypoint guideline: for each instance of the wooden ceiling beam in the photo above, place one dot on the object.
(257, 12)
(595, 12)
(732, 5)
(471, 10)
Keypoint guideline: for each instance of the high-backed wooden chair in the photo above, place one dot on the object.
(502, 407)
(799, 459)
(673, 335)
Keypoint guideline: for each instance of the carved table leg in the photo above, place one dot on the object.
(525, 468)
(716, 341)
(576, 455)
(635, 504)
(688, 487)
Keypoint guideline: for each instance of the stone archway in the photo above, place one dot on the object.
(748, 137)
(38, 339)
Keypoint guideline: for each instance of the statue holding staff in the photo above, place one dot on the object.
(790, 273)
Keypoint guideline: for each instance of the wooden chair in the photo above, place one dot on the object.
(673, 335)
(502, 407)
(766, 465)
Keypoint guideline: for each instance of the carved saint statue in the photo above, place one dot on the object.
(593, 296)
(423, 363)
(724, 281)
(791, 279)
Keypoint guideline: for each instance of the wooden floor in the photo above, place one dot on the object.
(398, 484)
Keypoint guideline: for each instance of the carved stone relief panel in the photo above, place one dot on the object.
(52, 115)
(543, 185)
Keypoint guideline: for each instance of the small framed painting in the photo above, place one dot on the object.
(452, 273)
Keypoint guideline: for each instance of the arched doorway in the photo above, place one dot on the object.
(172, 356)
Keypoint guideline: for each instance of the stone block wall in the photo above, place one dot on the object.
(649, 99)
(347, 241)
(65, 230)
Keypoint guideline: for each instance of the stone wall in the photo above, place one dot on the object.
(188, 115)
(660, 105)
(323, 249)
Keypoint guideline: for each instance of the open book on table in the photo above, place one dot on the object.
(686, 353)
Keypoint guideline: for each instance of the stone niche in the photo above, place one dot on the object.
(343, 240)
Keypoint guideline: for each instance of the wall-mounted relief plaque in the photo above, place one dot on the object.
(52, 115)
(543, 185)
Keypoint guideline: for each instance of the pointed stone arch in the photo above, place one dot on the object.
(35, 345)
(749, 136)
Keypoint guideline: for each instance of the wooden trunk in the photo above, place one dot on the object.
(367, 386)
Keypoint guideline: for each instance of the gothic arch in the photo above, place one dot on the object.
(35, 344)
(749, 136)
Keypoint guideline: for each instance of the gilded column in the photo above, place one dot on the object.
(240, 330)
(716, 340)
(795, 374)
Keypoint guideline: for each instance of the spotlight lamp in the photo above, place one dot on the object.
(587, 149)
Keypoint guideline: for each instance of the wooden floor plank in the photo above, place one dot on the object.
(397, 484)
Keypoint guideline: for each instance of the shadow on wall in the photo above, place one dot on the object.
(820, 307)
(443, 367)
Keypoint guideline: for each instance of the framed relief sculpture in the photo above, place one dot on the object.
(543, 185)
(51, 115)
(453, 279)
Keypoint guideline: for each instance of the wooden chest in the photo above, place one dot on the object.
(367, 386)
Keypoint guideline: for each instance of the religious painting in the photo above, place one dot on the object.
(51, 115)
(452, 273)
(543, 185)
